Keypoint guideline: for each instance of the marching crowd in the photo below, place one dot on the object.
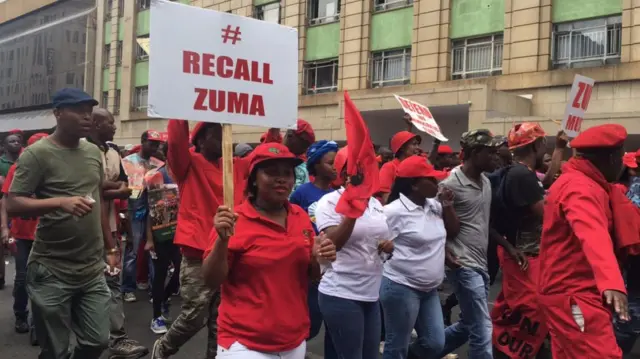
(322, 235)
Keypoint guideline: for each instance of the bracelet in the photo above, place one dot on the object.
(112, 251)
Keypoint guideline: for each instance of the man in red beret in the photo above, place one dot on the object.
(581, 285)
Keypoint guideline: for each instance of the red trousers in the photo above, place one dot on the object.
(597, 339)
(518, 326)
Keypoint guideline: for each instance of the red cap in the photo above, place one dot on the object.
(417, 166)
(153, 135)
(629, 160)
(401, 138)
(272, 151)
(603, 136)
(15, 132)
(523, 134)
(445, 150)
(305, 128)
(36, 137)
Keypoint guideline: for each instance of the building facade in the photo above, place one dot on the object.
(475, 63)
(45, 45)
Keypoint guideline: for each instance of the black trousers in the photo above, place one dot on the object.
(166, 253)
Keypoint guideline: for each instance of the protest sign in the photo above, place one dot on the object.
(223, 68)
(577, 105)
(421, 117)
(163, 206)
(135, 170)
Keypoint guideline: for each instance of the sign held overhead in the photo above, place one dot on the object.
(421, 117)
(223, 68)
(577, 105)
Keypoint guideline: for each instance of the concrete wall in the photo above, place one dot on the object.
(11, 9)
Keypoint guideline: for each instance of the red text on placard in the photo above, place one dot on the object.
(415, 108)
(574, 123)
(226, 67)
(229, 101)
(581, 100)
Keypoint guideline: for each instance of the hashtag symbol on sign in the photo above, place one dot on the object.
(229, 34)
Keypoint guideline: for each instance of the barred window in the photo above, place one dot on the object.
(320, 76)
(477, 57)
(390, 68)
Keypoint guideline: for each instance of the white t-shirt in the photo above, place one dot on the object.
(357, 272)
(419, 238)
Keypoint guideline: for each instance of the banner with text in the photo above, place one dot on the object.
(577, 106)
(421, 117)
(212, 66)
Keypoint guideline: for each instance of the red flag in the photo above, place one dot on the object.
(361, 160)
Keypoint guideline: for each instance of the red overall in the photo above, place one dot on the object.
(518, 326)
(578, 263)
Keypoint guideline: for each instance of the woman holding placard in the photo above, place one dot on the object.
(262, 258)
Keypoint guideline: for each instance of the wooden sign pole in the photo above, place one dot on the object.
(227, 165)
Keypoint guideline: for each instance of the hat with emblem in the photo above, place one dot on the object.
(272, 152)
(478, 138)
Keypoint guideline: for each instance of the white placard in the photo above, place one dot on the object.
(421, 117)
(212, 66)
(577, 105)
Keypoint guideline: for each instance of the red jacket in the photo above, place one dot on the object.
(577, 251)
(200, 185)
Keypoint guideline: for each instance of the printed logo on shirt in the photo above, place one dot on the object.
(274, 150)
(307, 233)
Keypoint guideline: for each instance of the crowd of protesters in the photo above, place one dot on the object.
(91, 224)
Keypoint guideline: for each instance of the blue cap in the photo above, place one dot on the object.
(72, 97)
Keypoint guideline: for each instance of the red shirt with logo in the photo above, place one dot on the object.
(264, 298)
(21, 228)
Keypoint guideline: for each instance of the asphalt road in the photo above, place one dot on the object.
(14, 346)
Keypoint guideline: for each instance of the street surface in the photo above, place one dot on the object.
(16, 346)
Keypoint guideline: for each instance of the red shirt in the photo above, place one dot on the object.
(200, 185)
(388, 175)
(20, 228)
(264, 299)
(576, 249)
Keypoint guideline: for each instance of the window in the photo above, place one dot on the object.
(76, 37)
(116, 103)
(106, 54)
(323, 11)
(119, 53)
(71, 78)
(140, 98)
(390, 68)
(587, 43)
(381, 5)
(144, 4)
(107, 10)
(140, 53)
(477, 57)
(74, 58)
(268, 12)
(104, 103)
(320, 76)
(120, 8)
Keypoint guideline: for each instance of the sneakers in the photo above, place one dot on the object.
(156, 353)
(22, 326)
(130, 297)
(143, 286)
(158, 326)
(127, 349)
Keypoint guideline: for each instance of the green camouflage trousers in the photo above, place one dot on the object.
(199, 308)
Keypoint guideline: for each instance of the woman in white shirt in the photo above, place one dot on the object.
(420, 220)
(350, 286)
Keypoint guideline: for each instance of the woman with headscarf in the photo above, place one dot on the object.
(262, 258)
(320, 160)
(350, 287)
(420, 219)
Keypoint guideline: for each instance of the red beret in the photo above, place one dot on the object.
(304, 127)
(15, 132)
(445, 150)
(603, 136)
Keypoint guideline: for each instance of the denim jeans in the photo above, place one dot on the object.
(404, 308)
(354, 326)
(471, 286)
(20, 296)
(139, 229)
(315, 316)
(628, 332)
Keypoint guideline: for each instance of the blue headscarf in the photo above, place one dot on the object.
(317, 151)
